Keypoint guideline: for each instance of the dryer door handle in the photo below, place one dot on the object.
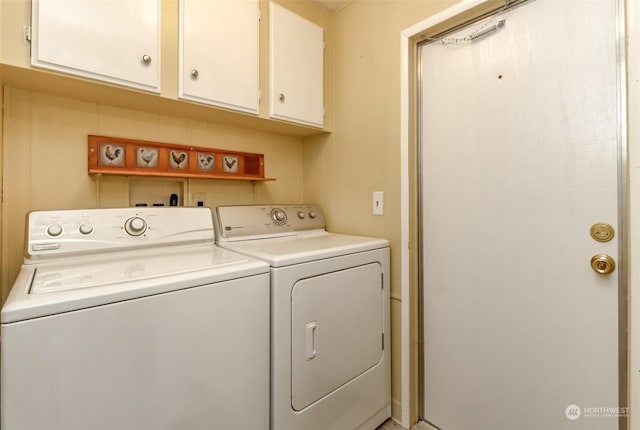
(311, 350)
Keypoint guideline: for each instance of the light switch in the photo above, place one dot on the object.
(378, 203)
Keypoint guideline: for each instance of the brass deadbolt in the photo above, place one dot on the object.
(603, 264)
(602, 232)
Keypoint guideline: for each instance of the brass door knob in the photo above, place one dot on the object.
(603, 264)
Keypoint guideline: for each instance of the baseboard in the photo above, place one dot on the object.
(376, 419)
(396, 411)
(421, 425)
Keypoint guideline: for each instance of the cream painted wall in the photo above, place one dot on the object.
(362, 154)
(45, 154)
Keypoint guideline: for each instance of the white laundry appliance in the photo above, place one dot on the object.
(330, 347)
(130, 319)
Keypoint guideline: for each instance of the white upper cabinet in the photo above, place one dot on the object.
(219, 53)
(296, 67)
(113, 41)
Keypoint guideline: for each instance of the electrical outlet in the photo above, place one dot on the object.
(378, 203)
(198, 199)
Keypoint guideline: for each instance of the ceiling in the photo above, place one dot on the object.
(331, 4)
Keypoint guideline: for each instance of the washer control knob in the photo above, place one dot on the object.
(301, 215)
(54, 230)
(85, 228)
(135, 226)
(279, 216)
(312, 215)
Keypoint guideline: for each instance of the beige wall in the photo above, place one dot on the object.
(362, 154)
(45, 153)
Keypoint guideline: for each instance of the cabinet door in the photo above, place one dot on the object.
(297, 61)
(219, 53)
(113, 41)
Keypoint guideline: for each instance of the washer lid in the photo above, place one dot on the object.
(108, 271)
(304, 247)
(46, 289)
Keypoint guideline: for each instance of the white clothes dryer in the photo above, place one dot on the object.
(132, 319)
(330, 348)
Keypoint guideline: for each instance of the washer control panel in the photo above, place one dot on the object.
(278, 216)
(56, 233)
(259, 220)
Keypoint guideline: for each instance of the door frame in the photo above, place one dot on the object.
(629, 98)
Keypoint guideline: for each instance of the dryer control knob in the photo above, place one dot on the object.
(312, 215)
(135, 226)
(54, 230)
(301, 215)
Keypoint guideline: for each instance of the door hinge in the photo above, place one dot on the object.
(382, 281)
(383, 341)
(26, 34)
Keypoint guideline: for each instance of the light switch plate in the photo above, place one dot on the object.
(378, 203)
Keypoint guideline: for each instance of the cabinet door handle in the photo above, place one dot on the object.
(194, 74)
(281, 97)
(146, 59)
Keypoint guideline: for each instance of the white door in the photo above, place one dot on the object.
(519, 153)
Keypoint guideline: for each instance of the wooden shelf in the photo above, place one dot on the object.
(98, 172)
(121, 156)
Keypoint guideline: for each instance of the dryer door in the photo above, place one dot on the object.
(336, 331)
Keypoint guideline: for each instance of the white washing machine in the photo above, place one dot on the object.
(133, 319)
(330, 347)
